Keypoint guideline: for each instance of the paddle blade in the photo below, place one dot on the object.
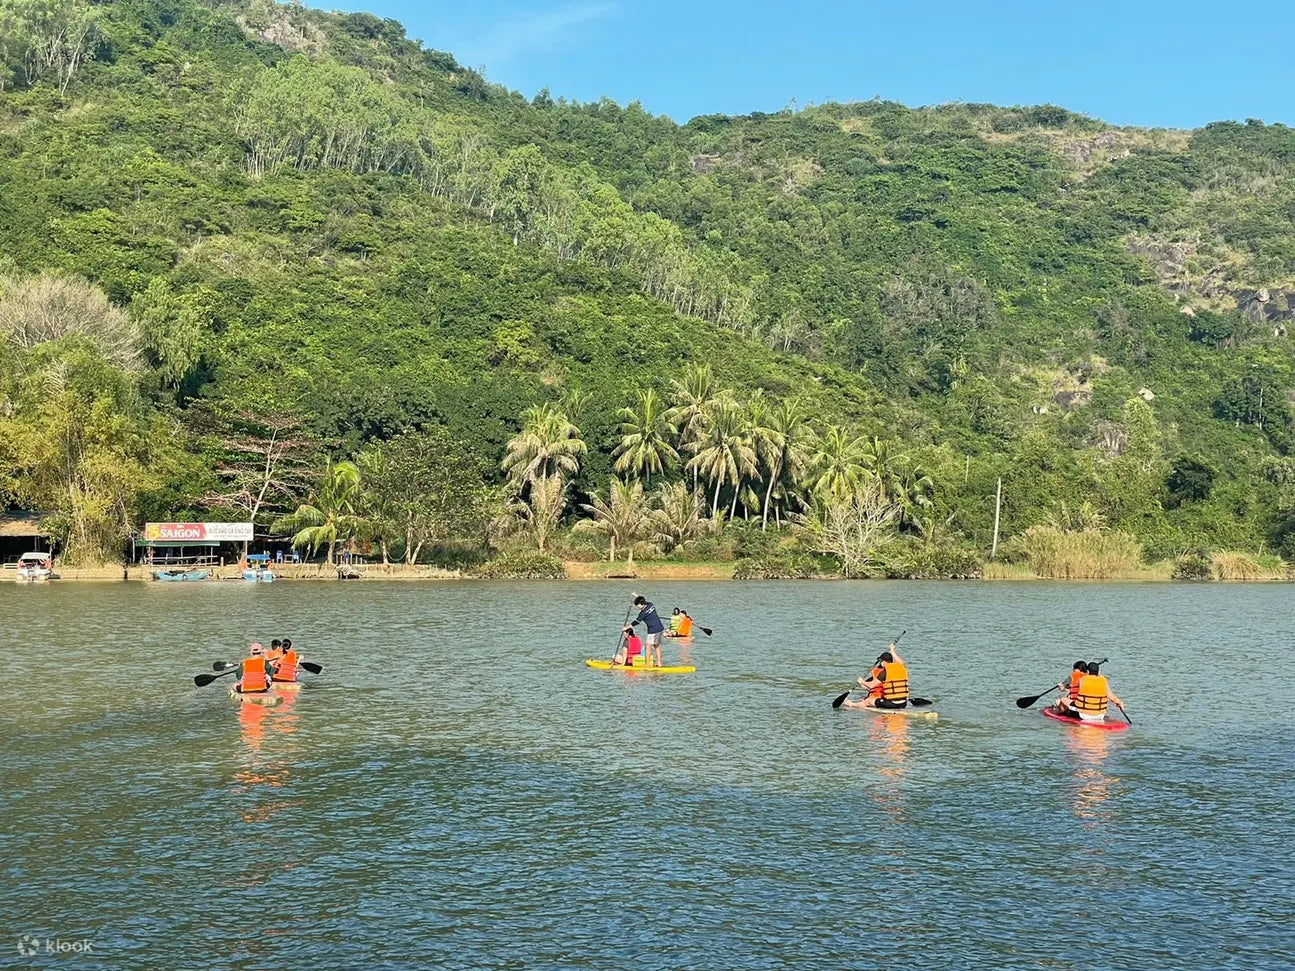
(312, 667)
(838, 702)
(203, 680)
(920, 702)
(1030, 699)
(224, 665)
(706, 631)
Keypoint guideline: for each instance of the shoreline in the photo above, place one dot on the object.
(587, 571)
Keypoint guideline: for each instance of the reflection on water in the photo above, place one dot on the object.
(1088, 749)
(888, 739)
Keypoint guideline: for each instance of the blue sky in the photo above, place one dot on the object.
(1134, 62)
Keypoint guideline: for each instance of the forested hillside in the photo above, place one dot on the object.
(229, 230)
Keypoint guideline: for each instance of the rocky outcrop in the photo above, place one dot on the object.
(1266, 305)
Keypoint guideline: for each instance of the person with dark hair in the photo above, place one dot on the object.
(630, 650)
(886, 683)
(1070, 687)
(651, 622)
(1092, 696)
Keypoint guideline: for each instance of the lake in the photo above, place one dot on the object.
(457, 789)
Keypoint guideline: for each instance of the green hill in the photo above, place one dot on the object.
(307, 215)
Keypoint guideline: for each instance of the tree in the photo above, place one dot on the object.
(54, 35)
(837, 467)
(548, 445)
(852, 527)
(80, 444)
(173, 328)
(421, 487)
(261, 457)
(1190, 480)
(34, 310)
(331, 515)
(678, 517)
(622, 517)
(645, 438)
(720, 451)
(691, 395)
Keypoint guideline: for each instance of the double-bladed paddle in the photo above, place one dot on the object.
(310, 666)
(202, 680)
(1028, 700)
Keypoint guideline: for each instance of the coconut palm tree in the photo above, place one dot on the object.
(623, 517)
(786, 453)
(548, 445)
(690, 395)
(678, 516)
(721, 452)
(332, 514)
(646, 431)
(837, 466)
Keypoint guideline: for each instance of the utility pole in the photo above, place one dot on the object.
(998, 507)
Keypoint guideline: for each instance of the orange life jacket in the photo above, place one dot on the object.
(255, 675)
(273, 653)
(894, 681)
(685, 627)
(1090, 695)
(287, 667)
(1075, 677)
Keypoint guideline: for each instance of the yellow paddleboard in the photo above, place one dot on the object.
(905, 712)
(642, 668)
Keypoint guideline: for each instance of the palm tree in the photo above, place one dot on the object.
(548, 444)
(759, 432)
(721, 452)
(786, 434)
(376, 503)
(677, 518)
(837, 466)
(622, 517)
(690, 395)
(645, 437)
(332, 513)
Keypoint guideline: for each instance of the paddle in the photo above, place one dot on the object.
(203, 680)
(310, 666)
(1125, 714)
(1028, 700)
(621, 639)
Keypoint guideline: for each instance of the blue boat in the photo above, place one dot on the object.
(258, 568)
(173, 575)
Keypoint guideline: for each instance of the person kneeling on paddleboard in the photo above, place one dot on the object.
(1070, 686)
(630, 649)
(676, 618)
(652, 624)
(886, 683)
(1092, 696)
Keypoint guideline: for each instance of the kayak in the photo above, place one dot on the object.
(267, 698)
(286, 685)
(642, 668)
(1110, 724)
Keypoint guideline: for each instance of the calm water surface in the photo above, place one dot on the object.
(458, 789)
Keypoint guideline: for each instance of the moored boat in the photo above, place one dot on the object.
(171, 576)
(33, 567)
(1108, 724)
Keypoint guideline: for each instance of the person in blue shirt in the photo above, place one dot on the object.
(652, 623)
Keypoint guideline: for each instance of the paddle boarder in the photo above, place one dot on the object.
(651, 622)
(1092, 695)
(886, 683)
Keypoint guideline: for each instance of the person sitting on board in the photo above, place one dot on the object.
(685, 624)
(276, 650)
(254, 672)
(285, 668)
(676, 619)
(652, 624)
(887, 683)
(631, 649)
(1070, 687)
(1092, 696)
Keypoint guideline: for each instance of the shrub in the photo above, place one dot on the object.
(922, 562)
(778, 565)
(1193, 565)
(1243, 566)
(1086, 555)
(523, 565)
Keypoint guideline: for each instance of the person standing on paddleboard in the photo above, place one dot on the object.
(652, 624)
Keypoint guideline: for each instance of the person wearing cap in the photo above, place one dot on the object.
(254, 672)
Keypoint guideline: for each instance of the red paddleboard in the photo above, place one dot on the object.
(1109, 725)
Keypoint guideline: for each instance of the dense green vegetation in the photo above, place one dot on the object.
(233, 233)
